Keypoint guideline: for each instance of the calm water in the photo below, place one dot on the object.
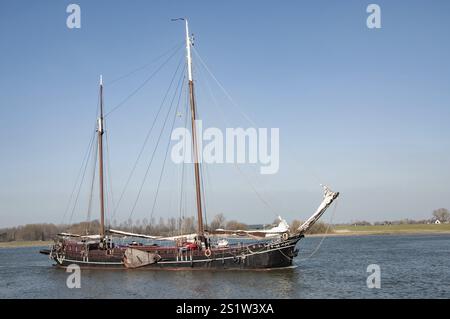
(411, 267)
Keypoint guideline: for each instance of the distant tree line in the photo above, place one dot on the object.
(317, 228)
(175, 226)
(441, 214)
(30, 232)
(163, 227)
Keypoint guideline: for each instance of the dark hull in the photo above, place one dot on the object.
(255, 256)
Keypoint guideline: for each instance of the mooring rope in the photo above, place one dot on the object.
(324, 235)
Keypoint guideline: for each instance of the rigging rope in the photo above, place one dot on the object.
(256, 191)
(85, 158)
(183, 165)
(177, 46)
(225, 121)
(205, 217)
(145, 141)
(91, 193)
(84, 164)
(312, 172)
(169, 140)
(324, 235)
(142, 85)
(81, 183)
(224, 90)
(203, 192)
(109, 169)
(154, 151)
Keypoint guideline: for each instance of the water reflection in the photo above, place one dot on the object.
(411, 266)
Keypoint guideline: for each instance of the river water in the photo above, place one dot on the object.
(413, 266)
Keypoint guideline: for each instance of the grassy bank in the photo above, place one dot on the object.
(15, 244)
(342, 230)
(392, 229)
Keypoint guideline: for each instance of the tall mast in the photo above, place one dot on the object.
(200, 229)
(100, 162)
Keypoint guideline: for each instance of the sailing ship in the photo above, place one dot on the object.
(204, 249)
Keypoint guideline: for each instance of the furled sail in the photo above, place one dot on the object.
(78, 236)
(124, 233)
(281, 228)
(328, 198)
(135, 258)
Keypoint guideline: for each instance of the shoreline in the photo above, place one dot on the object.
(25, 244)
(339, 233)
(377, 233)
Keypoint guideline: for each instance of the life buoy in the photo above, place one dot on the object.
(285, 236)
(208, 252)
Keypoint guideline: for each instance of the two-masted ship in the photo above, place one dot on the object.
(204, 249)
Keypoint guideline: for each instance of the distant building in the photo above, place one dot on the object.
(437, 222)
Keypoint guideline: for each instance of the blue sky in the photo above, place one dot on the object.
(366, 111)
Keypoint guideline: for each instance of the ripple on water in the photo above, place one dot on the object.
(411, 267)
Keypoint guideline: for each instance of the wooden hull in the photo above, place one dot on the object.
(254, 256)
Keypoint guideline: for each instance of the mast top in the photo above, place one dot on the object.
(101, 80)
(188, 47)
